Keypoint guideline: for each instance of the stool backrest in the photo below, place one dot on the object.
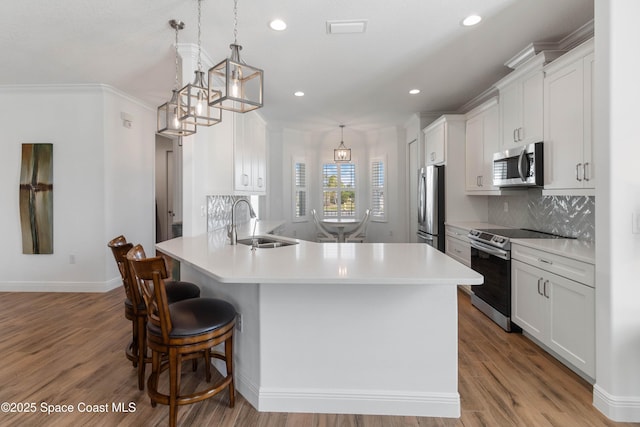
(119, 247)
(150, 274)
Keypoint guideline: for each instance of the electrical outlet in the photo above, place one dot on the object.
(239, 325)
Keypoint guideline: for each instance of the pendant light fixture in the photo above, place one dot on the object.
(342, 153)
(169, 113)
(194, 97)
(241, 84)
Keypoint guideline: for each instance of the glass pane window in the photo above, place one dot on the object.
(339, 190)
(299, 191)
(378, 188)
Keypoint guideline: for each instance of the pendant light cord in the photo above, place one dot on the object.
(199, 36)
(176, 46)
(235, 21)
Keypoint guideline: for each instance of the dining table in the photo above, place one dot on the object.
(339, 224)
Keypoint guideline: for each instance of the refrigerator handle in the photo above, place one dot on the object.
(421, 196)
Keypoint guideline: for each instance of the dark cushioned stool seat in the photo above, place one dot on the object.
(196, 316)
(178, 291)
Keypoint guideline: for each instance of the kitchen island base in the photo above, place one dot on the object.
(385, 349)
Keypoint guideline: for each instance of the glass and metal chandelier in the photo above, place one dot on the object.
(342, 153)
(194, 97)
(170, 113)
(241, 85)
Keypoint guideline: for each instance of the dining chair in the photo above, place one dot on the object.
(184, 330)
(323, 234)
(360, 233)
(135, 309)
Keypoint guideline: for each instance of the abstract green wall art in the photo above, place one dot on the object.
(36, 198)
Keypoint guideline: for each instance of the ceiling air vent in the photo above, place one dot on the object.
(352, 26)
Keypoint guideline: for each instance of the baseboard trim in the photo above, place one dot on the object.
(61, 286)
(360, 402)
(624, 409)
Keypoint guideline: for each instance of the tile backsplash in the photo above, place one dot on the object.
(219, 211)
(572, 216)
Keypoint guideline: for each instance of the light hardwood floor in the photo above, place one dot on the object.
(68, 349)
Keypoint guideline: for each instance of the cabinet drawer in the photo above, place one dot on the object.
(566, 267)
(458, 250)
(457, 233)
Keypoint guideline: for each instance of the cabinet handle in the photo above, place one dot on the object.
(458, 251)
(481, 180)
(546, 261)
(544, 289)
(245, 179)
(259, 182)
(586, 171)
(515, 138)
(433, 156)
(578, 166)
(539, 286)
(520, 133)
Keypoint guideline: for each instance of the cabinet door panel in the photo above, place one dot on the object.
(564, 128)
(590, 167)
(435, 138)
(529, 307)
(475, 153)
(572, 322)
(510, 114)
(532, 108)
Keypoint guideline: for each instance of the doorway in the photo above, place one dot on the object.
(167, 194)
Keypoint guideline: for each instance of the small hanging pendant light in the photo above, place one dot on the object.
(169, 113)
(342, 153)
(241, 84)
(194, 97)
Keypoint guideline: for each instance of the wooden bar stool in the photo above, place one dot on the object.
(183, 330)
(135, 308)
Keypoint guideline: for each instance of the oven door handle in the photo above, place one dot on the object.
(490, 250)
(521, 165)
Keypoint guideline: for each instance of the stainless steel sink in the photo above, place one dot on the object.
(266, 242)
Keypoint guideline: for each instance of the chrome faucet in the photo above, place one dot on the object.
(231, 230)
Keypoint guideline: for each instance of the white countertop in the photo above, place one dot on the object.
(571, 248)
(318, 263)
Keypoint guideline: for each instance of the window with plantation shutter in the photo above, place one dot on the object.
(378, 190)
(299, 191)
(339, 190)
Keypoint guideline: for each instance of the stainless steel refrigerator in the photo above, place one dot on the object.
(431, 206)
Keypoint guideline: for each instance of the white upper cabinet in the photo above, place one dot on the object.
(568, 89)
(521, 103)
(237, 155)
(250, 154)
(522, 98)
(435, 142)
(482, 136)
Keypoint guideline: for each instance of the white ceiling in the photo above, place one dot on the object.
(361, 80)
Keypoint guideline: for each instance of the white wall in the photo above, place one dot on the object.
(617, 90)
(102, 183)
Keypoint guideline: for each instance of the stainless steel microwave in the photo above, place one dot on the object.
(519, 167)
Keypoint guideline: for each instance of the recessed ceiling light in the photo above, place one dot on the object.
(278, 25)
(471, 20)
(299, 93)
(414, 91)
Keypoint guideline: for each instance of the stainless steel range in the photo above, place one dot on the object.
(491, 257)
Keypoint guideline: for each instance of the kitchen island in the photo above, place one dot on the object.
(336, 327)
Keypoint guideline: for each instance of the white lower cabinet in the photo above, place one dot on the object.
(557, 311)
(457, 246)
